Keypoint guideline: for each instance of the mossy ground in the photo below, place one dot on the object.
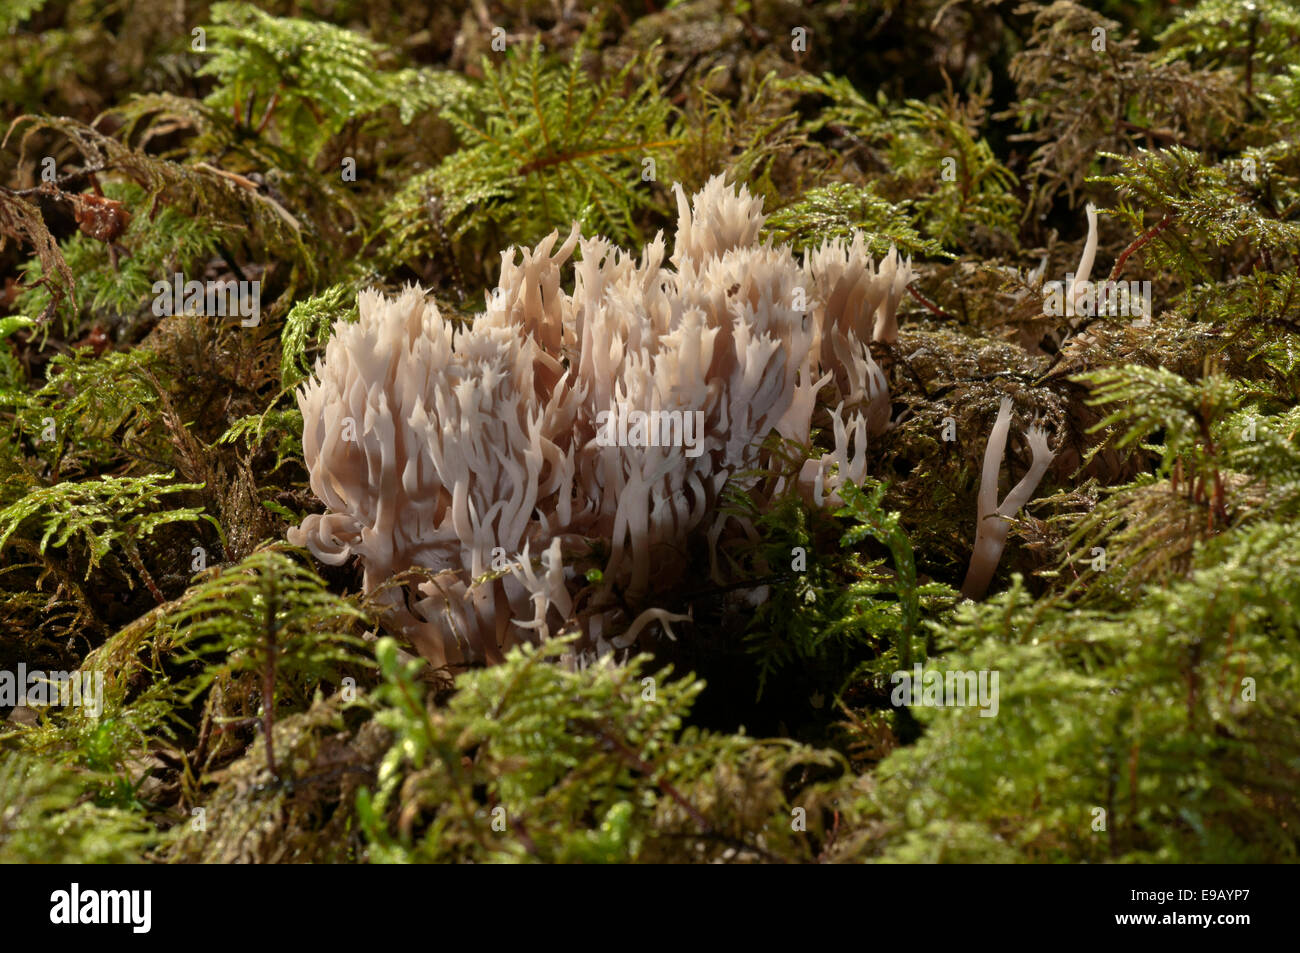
(1144, 619)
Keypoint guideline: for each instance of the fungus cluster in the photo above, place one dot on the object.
(478, 453)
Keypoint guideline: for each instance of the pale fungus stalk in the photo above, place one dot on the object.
(993, 521)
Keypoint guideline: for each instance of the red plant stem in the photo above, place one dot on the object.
(929, 305)
(1141, 240)
(270, 108)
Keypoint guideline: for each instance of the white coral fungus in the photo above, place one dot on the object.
(993, 521)
(473, 452)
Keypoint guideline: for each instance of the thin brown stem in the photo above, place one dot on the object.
(929, 305)
(268, 686)
(638, 763)
(1138, 242)
(270, 109)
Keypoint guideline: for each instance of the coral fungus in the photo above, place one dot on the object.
(469, 452)
(993, 521)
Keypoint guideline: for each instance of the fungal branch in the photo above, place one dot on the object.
(1083, 270)
(993, 520)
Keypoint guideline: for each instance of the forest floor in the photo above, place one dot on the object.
(181, 683)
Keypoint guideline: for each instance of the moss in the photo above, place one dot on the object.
(1141, 620)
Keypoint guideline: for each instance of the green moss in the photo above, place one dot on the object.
(1142, 622)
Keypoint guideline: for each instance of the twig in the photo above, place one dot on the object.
(1155, 133)
(55, 189)
(268, 686)
(1138, 242)
(133, 556)
(649, 770)
(929, 305)
(270, 108)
